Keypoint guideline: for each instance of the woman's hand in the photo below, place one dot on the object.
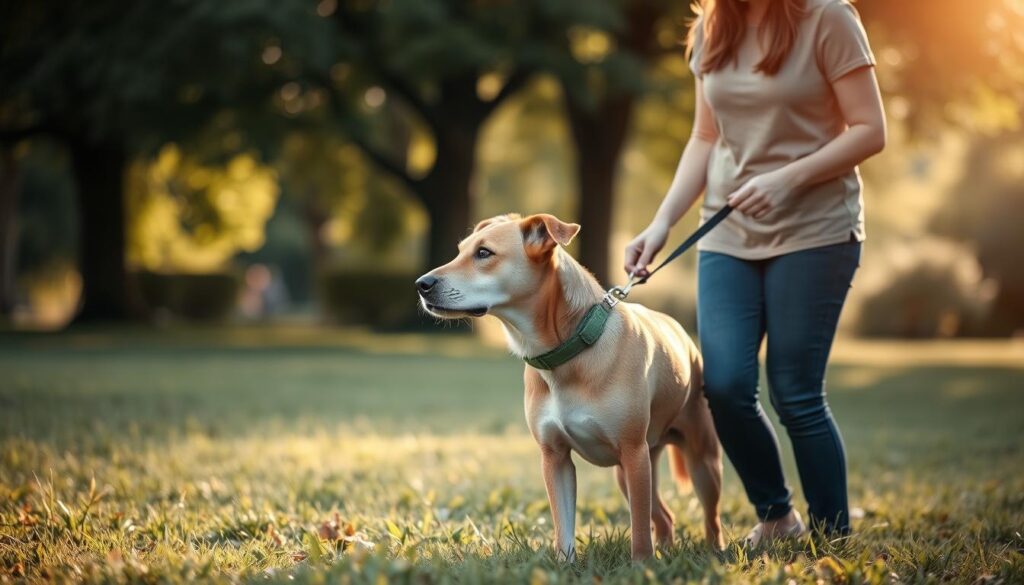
(642, 249)
(763, 193)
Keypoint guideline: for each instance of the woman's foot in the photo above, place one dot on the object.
(789, 526)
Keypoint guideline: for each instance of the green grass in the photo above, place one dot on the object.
(205, 456)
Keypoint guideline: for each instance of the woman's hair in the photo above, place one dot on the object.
(724, 24)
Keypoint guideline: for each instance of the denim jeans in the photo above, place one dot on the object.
(795, 299)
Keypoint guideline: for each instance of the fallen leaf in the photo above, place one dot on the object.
(329, 529)
(272, 535)
(828, 568)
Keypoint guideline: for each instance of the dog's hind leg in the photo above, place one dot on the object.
(704, 462)
(661, 516)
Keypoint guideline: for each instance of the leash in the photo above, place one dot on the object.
(619, 293)
(592, 325)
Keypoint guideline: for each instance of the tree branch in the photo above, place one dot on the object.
(385, 162)
(515, 82)
(408, 94)
(384, 74)
(376, 155)
(15, 135)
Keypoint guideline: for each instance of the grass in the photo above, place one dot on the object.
(289, 455)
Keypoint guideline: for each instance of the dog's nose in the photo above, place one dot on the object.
(425, 283)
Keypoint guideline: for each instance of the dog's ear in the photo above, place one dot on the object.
(542, 232)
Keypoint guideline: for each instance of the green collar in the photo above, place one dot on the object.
(587, 333)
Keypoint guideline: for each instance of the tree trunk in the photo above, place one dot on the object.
(446, 194)
(99, 176)
(9, 175)
(599, 134)
(316, 218)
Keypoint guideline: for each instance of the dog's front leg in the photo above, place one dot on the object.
(636, 466)
(560, 481)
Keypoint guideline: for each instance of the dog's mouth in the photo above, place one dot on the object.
(445, 312)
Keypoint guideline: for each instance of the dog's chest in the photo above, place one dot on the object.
(585, 427)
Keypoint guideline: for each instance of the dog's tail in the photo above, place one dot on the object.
(677, 463)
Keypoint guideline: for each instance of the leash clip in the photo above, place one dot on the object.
(613, 296)
(616, 293)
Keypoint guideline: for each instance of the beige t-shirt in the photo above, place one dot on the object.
(767, 122)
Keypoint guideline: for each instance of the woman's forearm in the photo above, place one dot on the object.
(861, 105)
(688, 183)
(838, 157)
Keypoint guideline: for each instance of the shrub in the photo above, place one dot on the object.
(929, 287)
(198, 297)
(378, 298)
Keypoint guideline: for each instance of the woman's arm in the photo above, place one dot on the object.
(860, 104)
(687, 185)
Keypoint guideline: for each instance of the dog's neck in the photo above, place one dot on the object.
(543, 321)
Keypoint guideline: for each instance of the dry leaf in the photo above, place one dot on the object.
(272, 535)
(828, 568)
(328, 531)
(25, 516)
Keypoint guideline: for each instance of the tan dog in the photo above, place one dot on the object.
(620, 402)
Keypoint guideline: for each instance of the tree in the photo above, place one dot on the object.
(450, 64)
(947, 58)
(112, 80)
(600, 100)
(9, 179)
(985, 209)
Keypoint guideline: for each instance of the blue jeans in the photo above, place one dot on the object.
(795, 299)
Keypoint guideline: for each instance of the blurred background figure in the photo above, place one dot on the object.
(211, 161)
(265, 294)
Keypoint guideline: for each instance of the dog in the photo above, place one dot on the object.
(634, 392)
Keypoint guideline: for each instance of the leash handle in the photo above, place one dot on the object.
(700, 232)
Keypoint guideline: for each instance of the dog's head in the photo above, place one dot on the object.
(501, 263)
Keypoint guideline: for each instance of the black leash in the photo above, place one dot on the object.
(616, 294)
(702, 231)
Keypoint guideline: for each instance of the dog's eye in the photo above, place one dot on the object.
(483, 253)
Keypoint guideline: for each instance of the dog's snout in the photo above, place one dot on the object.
(425, 283)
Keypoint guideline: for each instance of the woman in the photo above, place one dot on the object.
(787, 107)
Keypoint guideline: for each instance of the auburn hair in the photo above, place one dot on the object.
(724, 23)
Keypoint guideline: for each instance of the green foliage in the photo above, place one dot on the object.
(985, 209)
(144, 72)
(46, 215)
(188, 216)
(199, 297)
(244, 455)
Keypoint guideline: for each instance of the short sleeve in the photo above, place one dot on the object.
(842, 43)
(697, 50)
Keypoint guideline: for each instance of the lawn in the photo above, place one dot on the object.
(298, 456)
